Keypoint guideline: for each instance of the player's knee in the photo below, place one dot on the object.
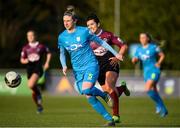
(108, 89)
(30, 85)
(92, 100)
(86, 91)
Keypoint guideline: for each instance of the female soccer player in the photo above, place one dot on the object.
(147, 54)
(31, 55)
(76, 41)
(109, 67)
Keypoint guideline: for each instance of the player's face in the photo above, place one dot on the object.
(92, 25)
(68, 22)
(143, 39)
(31, 37)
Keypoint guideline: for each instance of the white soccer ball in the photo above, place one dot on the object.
(12, 79)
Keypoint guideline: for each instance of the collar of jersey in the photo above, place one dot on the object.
(33, 44)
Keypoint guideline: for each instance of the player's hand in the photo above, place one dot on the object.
(158, 65)
(46, 66)
(113, 61)
(64, 70)
(134, 60)
(119, 57)
(24, 61)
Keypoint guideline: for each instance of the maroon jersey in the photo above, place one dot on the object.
(34, 52)
(110, 38)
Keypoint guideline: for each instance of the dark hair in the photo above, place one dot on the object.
(148, 35)
(94, 17)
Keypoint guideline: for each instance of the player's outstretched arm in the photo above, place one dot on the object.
(135, 60)
(63, 60)
(48, 58)
(160, 60)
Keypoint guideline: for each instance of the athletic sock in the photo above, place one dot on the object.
(115, 98)
(97, 105)
(156, 98)
(36, 95)
(121, 89)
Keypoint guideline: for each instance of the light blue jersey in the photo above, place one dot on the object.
(77, 45)
(148, 58)
(84, 63)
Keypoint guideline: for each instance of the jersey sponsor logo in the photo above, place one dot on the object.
(74, 47)
(33, 57)
(100, 51)
(144, 56)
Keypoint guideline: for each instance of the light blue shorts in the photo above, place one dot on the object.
(89, 75)
(153, 74)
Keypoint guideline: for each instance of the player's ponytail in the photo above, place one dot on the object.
(70, 11)
(149, 37)
(71, 8)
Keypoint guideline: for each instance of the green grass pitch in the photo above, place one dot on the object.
(19, 111)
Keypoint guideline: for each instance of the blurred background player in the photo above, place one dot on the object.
(109, 65)
(147, 54)
(76, 41)
(31, 55)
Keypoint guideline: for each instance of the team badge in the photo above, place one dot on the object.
(147, 52)
(78, 38)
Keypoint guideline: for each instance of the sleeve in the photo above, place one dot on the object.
(157, 49)
(136, 54)
(62, 55)
(23, 53)
(94, 38)
(46, 49)
(116, 40)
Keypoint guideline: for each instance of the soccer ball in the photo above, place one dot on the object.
(12, 79)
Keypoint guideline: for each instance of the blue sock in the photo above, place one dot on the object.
(157, 99)
(97, 105)
(94, 92)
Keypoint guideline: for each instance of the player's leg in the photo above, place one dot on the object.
(95, 103)
(153, 94)
(122, 89)
(158, 107)
(36, 94)
(110, 82)
(90, 76)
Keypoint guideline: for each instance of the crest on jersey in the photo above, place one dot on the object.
(147, 52)
(78, 38)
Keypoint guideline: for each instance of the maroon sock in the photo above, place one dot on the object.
(36, 92)
(115, 108)
(121, 89)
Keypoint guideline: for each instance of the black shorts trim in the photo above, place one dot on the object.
(37, 70)
(105, 66)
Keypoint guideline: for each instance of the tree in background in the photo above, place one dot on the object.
(160, 18)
